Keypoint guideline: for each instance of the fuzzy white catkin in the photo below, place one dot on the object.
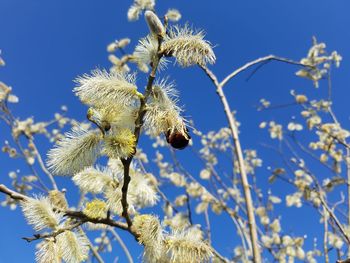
(151, 236)
(78, 149)
(185, 247)
(113, 197)
(39, 213)
(146, 52)
(48, 252)
(121, 144)
(102, 88)
(136, 8)
(188, 47)
(116, 116)
(173, 15)
(93, 180)
(74, 246)
(140, 189)
(162, 112)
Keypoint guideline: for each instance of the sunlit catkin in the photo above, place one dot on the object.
(78, 149)
(39, 213)
(58, 200)
(119, 145)
(103, 88)
(162, 112)
(94, 180)
(185, 247)
(48, 252)
(150, 234)
(74, 247)
(146, 52)
(96, 209)
(173, 15)
(188, 47)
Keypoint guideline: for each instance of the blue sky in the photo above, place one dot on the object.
(47, 43)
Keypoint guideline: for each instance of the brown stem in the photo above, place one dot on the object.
(106, 221)
(137, 132)
(52, 234)
(125, 205)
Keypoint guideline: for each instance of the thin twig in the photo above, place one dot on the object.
(257, 61)
(348, 187)
(14, 195)
(126, 181)
(325, 236)
(122, 244)
(207, 221)
(52, 234)
(189, 212)
(335, 219)
(91, 246)
(42, 165)
(106, 221)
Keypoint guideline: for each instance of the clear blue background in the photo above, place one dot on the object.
(47, 43)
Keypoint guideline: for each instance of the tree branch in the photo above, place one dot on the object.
(93, 249)
(257, 61)
(14, 195)
(126, 181)
(43, 167)
(106, 221)
(52, 234)
(122, 244)
(335, 219)
(239, 154)
(137, 131)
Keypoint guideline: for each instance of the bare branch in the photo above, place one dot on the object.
(122, 244)
(207, 221)
(239, 153)
(106, 221)
(243, 174)
(43, 167)
(93, 249)
(325, 236)
(335, 219)
(211, 75)
(257, 61)
(14, 195)
(52, 234)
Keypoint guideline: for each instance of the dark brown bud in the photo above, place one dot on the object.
(105, 126)
(178, 140)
